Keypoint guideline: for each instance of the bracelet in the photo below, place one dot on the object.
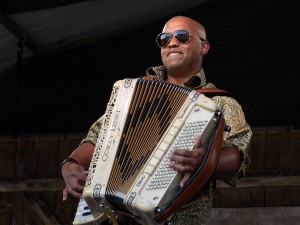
(69, 159)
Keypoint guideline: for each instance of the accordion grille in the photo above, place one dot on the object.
(153, 107)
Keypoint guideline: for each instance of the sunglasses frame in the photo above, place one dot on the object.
(171, 34)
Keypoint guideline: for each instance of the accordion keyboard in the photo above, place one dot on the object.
(83, 214)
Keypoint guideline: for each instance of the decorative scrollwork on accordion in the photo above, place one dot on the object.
(103, 131)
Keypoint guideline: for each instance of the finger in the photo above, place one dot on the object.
(77, 187)
(78, 173)
(81, 179)
(177, 166)
(65, 194)
(76, 170)
(176, 159)
(180, 152)
(185, 178)
(182, 167)
(180, 155)
(184, 164)
(74, 193)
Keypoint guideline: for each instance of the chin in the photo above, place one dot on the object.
(173, 66)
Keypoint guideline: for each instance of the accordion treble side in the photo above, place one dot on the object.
(129, 176)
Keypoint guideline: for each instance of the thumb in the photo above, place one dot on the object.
(81, 169)
(197, 141)
(185, 178)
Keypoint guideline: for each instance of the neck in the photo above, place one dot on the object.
(179, 77)
(177, 80)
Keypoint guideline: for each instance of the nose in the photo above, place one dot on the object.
(173, 42)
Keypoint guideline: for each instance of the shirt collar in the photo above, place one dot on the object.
(195, 82)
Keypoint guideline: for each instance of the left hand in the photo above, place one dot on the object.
(187, 161)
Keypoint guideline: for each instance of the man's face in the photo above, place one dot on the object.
(178, 56)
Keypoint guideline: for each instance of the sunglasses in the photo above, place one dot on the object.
(181, 36)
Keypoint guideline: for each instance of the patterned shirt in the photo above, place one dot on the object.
(199, 210)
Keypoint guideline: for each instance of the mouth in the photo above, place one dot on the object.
(173, 54)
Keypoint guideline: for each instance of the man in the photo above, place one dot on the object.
(183, 45)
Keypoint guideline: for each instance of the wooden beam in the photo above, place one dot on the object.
(275, 181)
(42, 208)
(37, 185)
(57, 184)
(19, 34)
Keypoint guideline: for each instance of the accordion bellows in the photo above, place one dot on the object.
(129, 177)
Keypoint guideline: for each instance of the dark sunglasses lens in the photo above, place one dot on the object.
(163, 39)
(182, 36)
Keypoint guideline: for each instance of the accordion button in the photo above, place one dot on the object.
(168, 138)
(154, 161)
(173, 131)
(149, 169)
(159, 154)
(163, 146)
(178, 123)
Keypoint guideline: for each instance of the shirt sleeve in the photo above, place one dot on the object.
(93, 132)
(239, 136)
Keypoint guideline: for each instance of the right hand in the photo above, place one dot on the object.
(75, 176)
(187, 161)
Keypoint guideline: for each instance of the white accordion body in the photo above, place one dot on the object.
(129, 176)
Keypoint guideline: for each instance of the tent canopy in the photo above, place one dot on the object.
(59, 59)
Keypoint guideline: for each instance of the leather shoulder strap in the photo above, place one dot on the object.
(147, 77)
(214, 92)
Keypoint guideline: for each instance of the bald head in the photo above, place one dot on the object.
(190, 25)
(183, 59)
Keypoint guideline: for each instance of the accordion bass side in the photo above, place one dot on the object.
(129, 176)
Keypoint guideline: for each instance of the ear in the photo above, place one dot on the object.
(205, 47)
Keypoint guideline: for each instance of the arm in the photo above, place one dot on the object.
(228, 164)
(75, 174)
(83, 154)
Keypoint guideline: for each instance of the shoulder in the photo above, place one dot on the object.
(225, 100)
(228, 106)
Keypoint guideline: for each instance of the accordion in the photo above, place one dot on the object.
(129, 177)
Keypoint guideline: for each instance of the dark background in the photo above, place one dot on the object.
(254, 54)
